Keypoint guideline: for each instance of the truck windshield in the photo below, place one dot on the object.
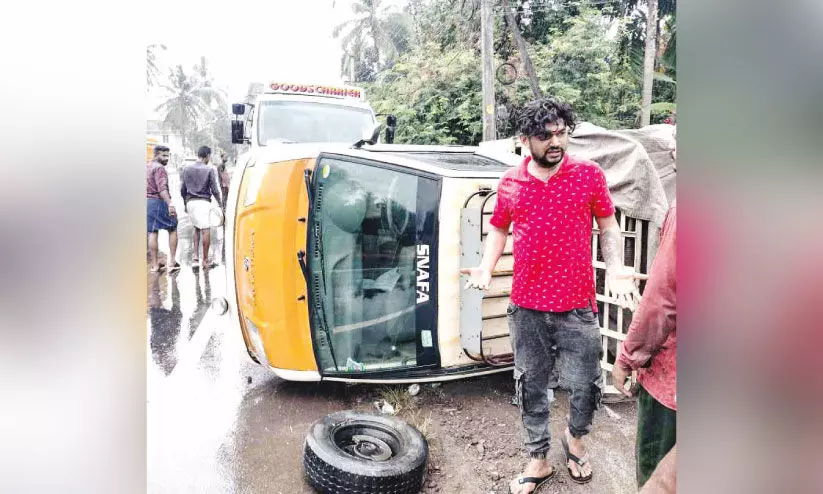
(300, 121)
(371, 253)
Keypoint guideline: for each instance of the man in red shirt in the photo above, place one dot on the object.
(160, 213)
(550, 200)
(650, 349)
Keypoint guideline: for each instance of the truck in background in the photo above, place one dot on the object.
(285, 113)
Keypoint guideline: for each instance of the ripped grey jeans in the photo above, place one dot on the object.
(576, 335)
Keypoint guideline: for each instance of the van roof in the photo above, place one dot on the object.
(447, 161)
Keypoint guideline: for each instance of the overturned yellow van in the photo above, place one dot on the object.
(343, 262)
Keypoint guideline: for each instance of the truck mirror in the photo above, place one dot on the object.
(238, 109)
(391, 122)
(237, 136)
(372, 134)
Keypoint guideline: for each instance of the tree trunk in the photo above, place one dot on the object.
(522, 48)
(373, 24)
(353, 69)
(648, 63)
(182, 126)
(487, 50)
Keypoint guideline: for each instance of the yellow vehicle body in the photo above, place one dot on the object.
(275, 303)
(267, 230)
(150, 143)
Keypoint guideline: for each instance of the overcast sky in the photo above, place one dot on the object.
(251, 41)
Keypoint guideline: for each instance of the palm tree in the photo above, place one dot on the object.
(185, 105)
(387, 31)
(211, 94)
(213, 98)
(152, 72)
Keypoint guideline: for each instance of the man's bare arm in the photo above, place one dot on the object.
(495, 243)
(610, 240)
(621, 282)
(162, 179)
(164, 194)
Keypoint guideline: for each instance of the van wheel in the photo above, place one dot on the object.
(357, 452)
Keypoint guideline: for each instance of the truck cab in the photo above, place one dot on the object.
(285, 113)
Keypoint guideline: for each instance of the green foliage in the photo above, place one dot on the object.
(664, 89)
(195, 108)
(435, 95)
(372, 39)
(446, 23)
(662, 111)
(435, 87)
(540, 19)
(578, 68)
(152, 70)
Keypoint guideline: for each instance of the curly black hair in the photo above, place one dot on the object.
(533, 117)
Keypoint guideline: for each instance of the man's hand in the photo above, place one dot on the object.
(623, 287)
(479, 278)
(172, 211)
(619, 376)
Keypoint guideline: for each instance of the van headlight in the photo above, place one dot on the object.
(256, 342)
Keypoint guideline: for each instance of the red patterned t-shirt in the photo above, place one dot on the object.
(552, 231)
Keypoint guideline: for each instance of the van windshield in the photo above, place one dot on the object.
(372, 263)
(301, 121)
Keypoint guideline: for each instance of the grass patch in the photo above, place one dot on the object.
(408, 408)
(399, 398)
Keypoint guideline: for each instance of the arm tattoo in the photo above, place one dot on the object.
(610, 240)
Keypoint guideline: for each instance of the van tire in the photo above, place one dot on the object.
(347, 452)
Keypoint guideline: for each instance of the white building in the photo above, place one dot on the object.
(167, 136)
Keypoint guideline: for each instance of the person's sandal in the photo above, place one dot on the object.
(580, 462)
(537, 481)
(174, 268)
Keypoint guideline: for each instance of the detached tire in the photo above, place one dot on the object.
(364, 453)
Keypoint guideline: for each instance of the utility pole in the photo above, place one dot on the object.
(648, 63)
(487, 52)
(522, 48)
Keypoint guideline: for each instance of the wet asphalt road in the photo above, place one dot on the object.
(216, 421)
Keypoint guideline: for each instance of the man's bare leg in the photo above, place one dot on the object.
(195, 249)
(206, 245)
(535, 468)
(172, 249)
(577, 448)
(153, 251)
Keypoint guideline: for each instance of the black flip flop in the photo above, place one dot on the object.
(174, 268)
(580, 463)
(537, 481)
